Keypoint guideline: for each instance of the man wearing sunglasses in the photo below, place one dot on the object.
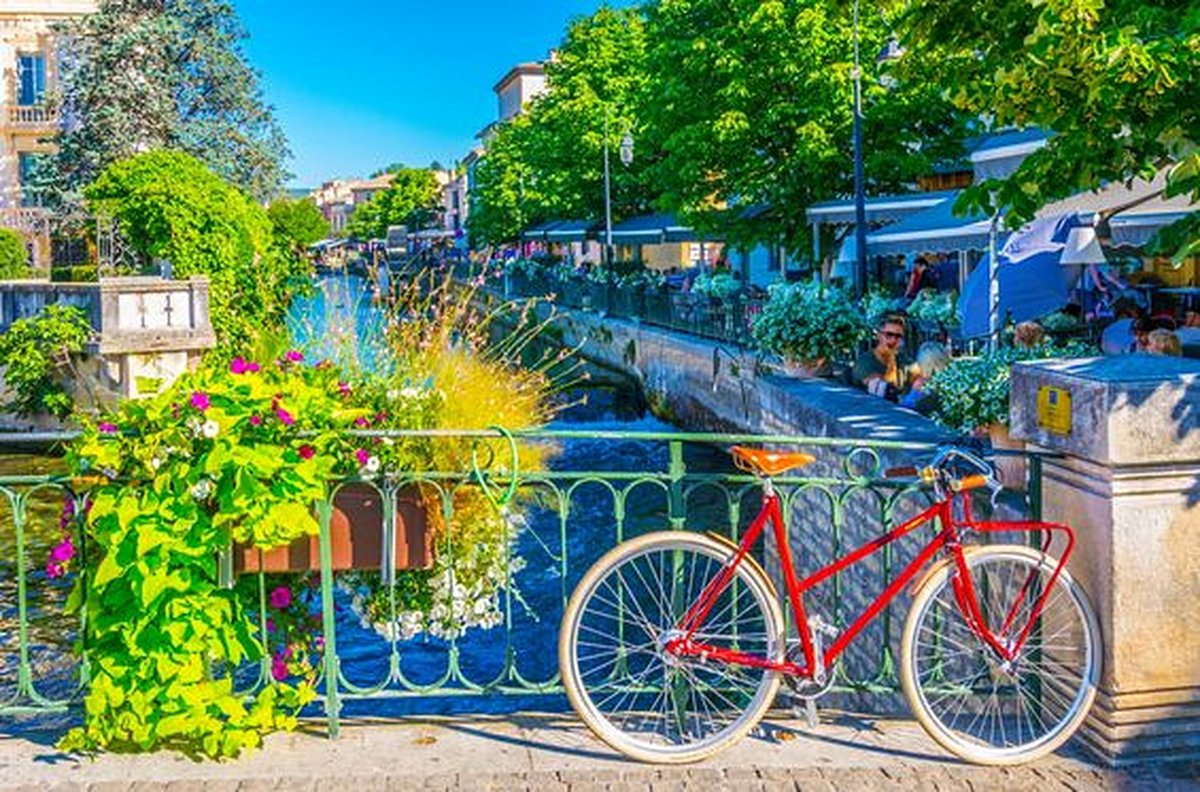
(883, 370)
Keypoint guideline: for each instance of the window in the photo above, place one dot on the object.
(29, 164)
(31, 74)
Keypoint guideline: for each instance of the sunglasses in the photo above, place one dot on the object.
(892, 334)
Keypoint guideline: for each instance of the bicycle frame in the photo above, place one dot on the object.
(948, 538)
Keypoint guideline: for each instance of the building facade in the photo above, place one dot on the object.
(28, 123)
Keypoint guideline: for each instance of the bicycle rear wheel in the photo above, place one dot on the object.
(973, 702)
(643, 701)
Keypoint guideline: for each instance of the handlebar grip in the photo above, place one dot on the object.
(907, 471)
(972, 482)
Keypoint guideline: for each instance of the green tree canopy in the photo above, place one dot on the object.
(169, 205)
(170, 74)
(548, 162)
(14, 255)
(297, 223)
(1116, 82)
(413, 199)
(752, 103)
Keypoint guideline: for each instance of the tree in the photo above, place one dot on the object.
(14, 255)
(297, 223)
(164, 74)
(413, 199)
(169, 205)
(548, 162)
(753, 104)
(1114, 82)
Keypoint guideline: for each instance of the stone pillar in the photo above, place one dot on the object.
(1128, 481)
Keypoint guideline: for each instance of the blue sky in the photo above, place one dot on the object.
(358, 84)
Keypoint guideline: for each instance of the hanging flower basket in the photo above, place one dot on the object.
(356, 536)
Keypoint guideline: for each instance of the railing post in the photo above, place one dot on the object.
(677, 471)
(328, 619)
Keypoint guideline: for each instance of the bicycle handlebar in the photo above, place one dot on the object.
(936, 472)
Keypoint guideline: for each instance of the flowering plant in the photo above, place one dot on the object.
(809, 322)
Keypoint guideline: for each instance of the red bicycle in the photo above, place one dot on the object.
(673, 645)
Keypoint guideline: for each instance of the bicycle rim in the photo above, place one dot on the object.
(973, 702)
(635, 696)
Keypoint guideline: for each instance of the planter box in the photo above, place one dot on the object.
(356, 534)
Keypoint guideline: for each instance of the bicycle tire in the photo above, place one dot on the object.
(646, 733)
(1038, 700)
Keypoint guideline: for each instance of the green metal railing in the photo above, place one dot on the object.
(570, 516)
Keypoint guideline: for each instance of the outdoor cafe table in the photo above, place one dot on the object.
(1188, 295)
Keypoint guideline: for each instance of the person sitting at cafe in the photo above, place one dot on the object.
(1028, 335)
(1163, 342)
(922, 278)
(883, 370)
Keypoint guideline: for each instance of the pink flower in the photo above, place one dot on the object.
(293, 356)
(344, 388)
(281, 598)
(200, 401)
(243, 366)
(63, 552)
(256, 420)
(307, 452)
(55, 570)
(361, 422)
(270, 625)
(107, 428)
(284, 416)
(362, 456)
(279, 669)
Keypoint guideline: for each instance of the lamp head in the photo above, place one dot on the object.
(627, 149)
(1082, 247)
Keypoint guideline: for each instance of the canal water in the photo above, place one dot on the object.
(339, 319)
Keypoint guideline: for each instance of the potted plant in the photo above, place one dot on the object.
(808, 324)
(972, 395)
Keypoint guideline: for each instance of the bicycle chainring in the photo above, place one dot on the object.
(806, 687)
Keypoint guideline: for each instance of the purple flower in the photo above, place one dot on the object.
(270, 625)
(55, 570)
(200, 401)
(293, 356)
(362, 456)
(284, 416)
(107, 428)
(243, 366)
(256, 420)
(279, 669)
(281, 598)
(307, 452)
(63, 552)
(344, 388)
(361, 422)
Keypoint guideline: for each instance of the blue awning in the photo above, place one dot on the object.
(654, 230)
(880, 208)
(538, 232)
(935, 230)
(570, 231)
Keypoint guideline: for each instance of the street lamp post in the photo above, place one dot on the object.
(626, 160)
(892, 51)
(860, 197)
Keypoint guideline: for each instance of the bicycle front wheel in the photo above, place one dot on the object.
(974, 702)
(645, 702)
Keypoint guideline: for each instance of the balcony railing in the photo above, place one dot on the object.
(37, 116)
(27, 219)
(602, 487)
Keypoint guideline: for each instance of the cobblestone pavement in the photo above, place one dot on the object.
(554, 753)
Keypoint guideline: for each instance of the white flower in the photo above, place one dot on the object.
(482, 606)
(202, 489)
(210, 429)
(373, 464)
(156, 463)
(393, 394)
(410, 393)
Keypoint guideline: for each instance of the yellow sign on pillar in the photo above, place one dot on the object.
(1054, 409)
